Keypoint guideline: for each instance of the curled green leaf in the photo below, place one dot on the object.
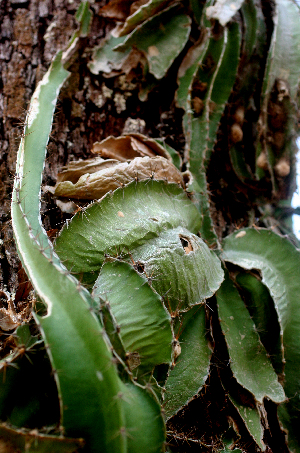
(264, 250)
(249, 361)
(191, 367)
(129, 217)
(144, 325)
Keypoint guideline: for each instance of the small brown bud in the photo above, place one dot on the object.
(176, 350)
(282, 168)
(236, 133)
(262, 161)
(197, 105)
(239, 115)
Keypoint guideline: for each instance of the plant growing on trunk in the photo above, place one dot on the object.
(141, 296)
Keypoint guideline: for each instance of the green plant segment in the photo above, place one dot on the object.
(281, 278)
(152, 236)
(192, 368)
(248, 357)
(125, 227)
(139, 297)
(133, 304)
(201, 123)
(83, 367)
(40, 261)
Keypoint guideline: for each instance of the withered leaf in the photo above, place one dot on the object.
(92, 186)
(75, 170)
(117, 9)
(9, 318)
(128, 147)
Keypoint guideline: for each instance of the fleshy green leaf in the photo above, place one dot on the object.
(283, 73)
(261, 308)
(176, 159)
(283, 56)
(251, 418)
(249, 361)
(81, 360)
(250, 13)
(187, 71)
(192, 365)
(144, 12)
(145, 431)
(84, 17)
(122, 221)
(82, 364)
(279, 263)
(181, 267)
(218, 71)
(215, 78)
(144, 324)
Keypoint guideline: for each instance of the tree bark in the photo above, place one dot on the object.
(24, 58)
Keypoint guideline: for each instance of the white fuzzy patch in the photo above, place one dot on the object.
(34, 107)
(33, 111)
(241, 234)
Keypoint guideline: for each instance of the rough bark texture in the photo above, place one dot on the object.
(24, 57)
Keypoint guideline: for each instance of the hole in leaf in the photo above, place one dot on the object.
(186, 245)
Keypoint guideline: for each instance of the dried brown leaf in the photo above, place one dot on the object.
(117, 9)
(128, 147)
(96, 185)
(10, 319)
(76, 169)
